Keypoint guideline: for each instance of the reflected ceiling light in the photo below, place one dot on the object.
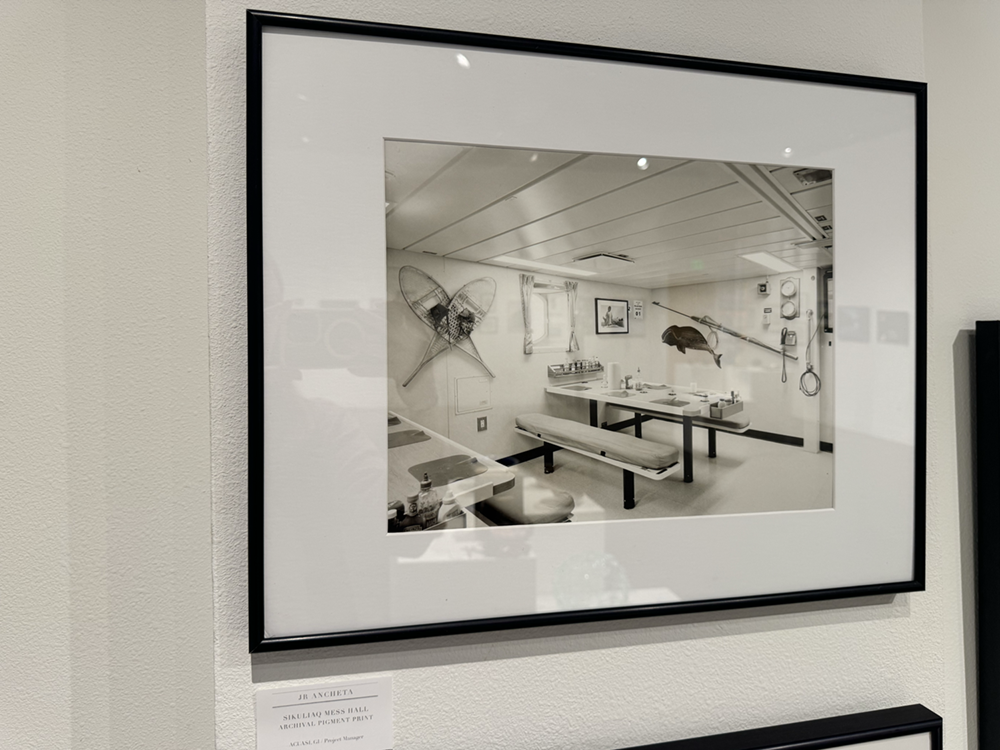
(787, 153)
(463, 60)
(533, 265)
(770, 261)
(643, 163)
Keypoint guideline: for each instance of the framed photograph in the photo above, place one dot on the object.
(611, 315)
(442, 443)
(987, 441)
(904, 728)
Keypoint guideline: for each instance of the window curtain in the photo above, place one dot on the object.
(574, 345)
(527, 289)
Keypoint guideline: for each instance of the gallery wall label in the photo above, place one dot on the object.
(338, 714)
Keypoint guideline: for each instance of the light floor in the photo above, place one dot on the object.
(748, 476)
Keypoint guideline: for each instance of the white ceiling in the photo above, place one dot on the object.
(681, 221)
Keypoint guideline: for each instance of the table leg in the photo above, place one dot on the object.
(711, 443)
(593, 413)
(638, 425)
(628, 488)
(548, 449)
(688, 451)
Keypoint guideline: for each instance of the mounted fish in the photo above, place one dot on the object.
(686, 337)
(453, 319)
(714, 325)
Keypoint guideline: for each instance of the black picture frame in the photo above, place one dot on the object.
(611, 316)
(832, 733)
(987, 478)
(260, 636)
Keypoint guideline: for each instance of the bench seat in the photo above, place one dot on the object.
(632, 455)
(738, 423)
(615, 445)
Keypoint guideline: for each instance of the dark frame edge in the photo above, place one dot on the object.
(258, 20)
(987, 521)
(514, 622)
(572, 49)
(816, 734)
(255, 245)
(920, 385)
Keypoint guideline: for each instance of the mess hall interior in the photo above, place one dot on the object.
(579, 337)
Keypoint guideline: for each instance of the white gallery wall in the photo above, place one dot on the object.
(602, 685)
(105, 540)
(124, 470)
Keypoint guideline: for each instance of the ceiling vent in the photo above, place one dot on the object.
(809, 177)
(602, 262)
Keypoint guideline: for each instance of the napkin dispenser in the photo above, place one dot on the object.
(725, 409)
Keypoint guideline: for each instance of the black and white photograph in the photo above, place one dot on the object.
(610, 315)
(508, 407)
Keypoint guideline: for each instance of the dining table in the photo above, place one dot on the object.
(663, 401)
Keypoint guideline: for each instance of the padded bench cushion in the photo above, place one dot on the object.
(527, 506)
(631, 450)
(736, 423)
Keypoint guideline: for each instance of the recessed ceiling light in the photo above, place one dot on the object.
(770, 261)
(602, 262)
(643, 163)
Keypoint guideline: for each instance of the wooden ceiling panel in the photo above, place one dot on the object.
(738, 234)
(701, 257)
(814, 197)
(701, 213)
(658, 190)
(461, 189)
(578, 182)
(682, 222)
(410, 165)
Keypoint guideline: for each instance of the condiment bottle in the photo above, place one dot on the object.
(449, 509)
(428, 502)
(410, 520)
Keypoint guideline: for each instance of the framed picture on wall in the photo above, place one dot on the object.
(611, 315)
(442, 442)
(904, 728)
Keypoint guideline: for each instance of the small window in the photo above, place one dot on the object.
(550, 320)
(539, 317)
(549, 311)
